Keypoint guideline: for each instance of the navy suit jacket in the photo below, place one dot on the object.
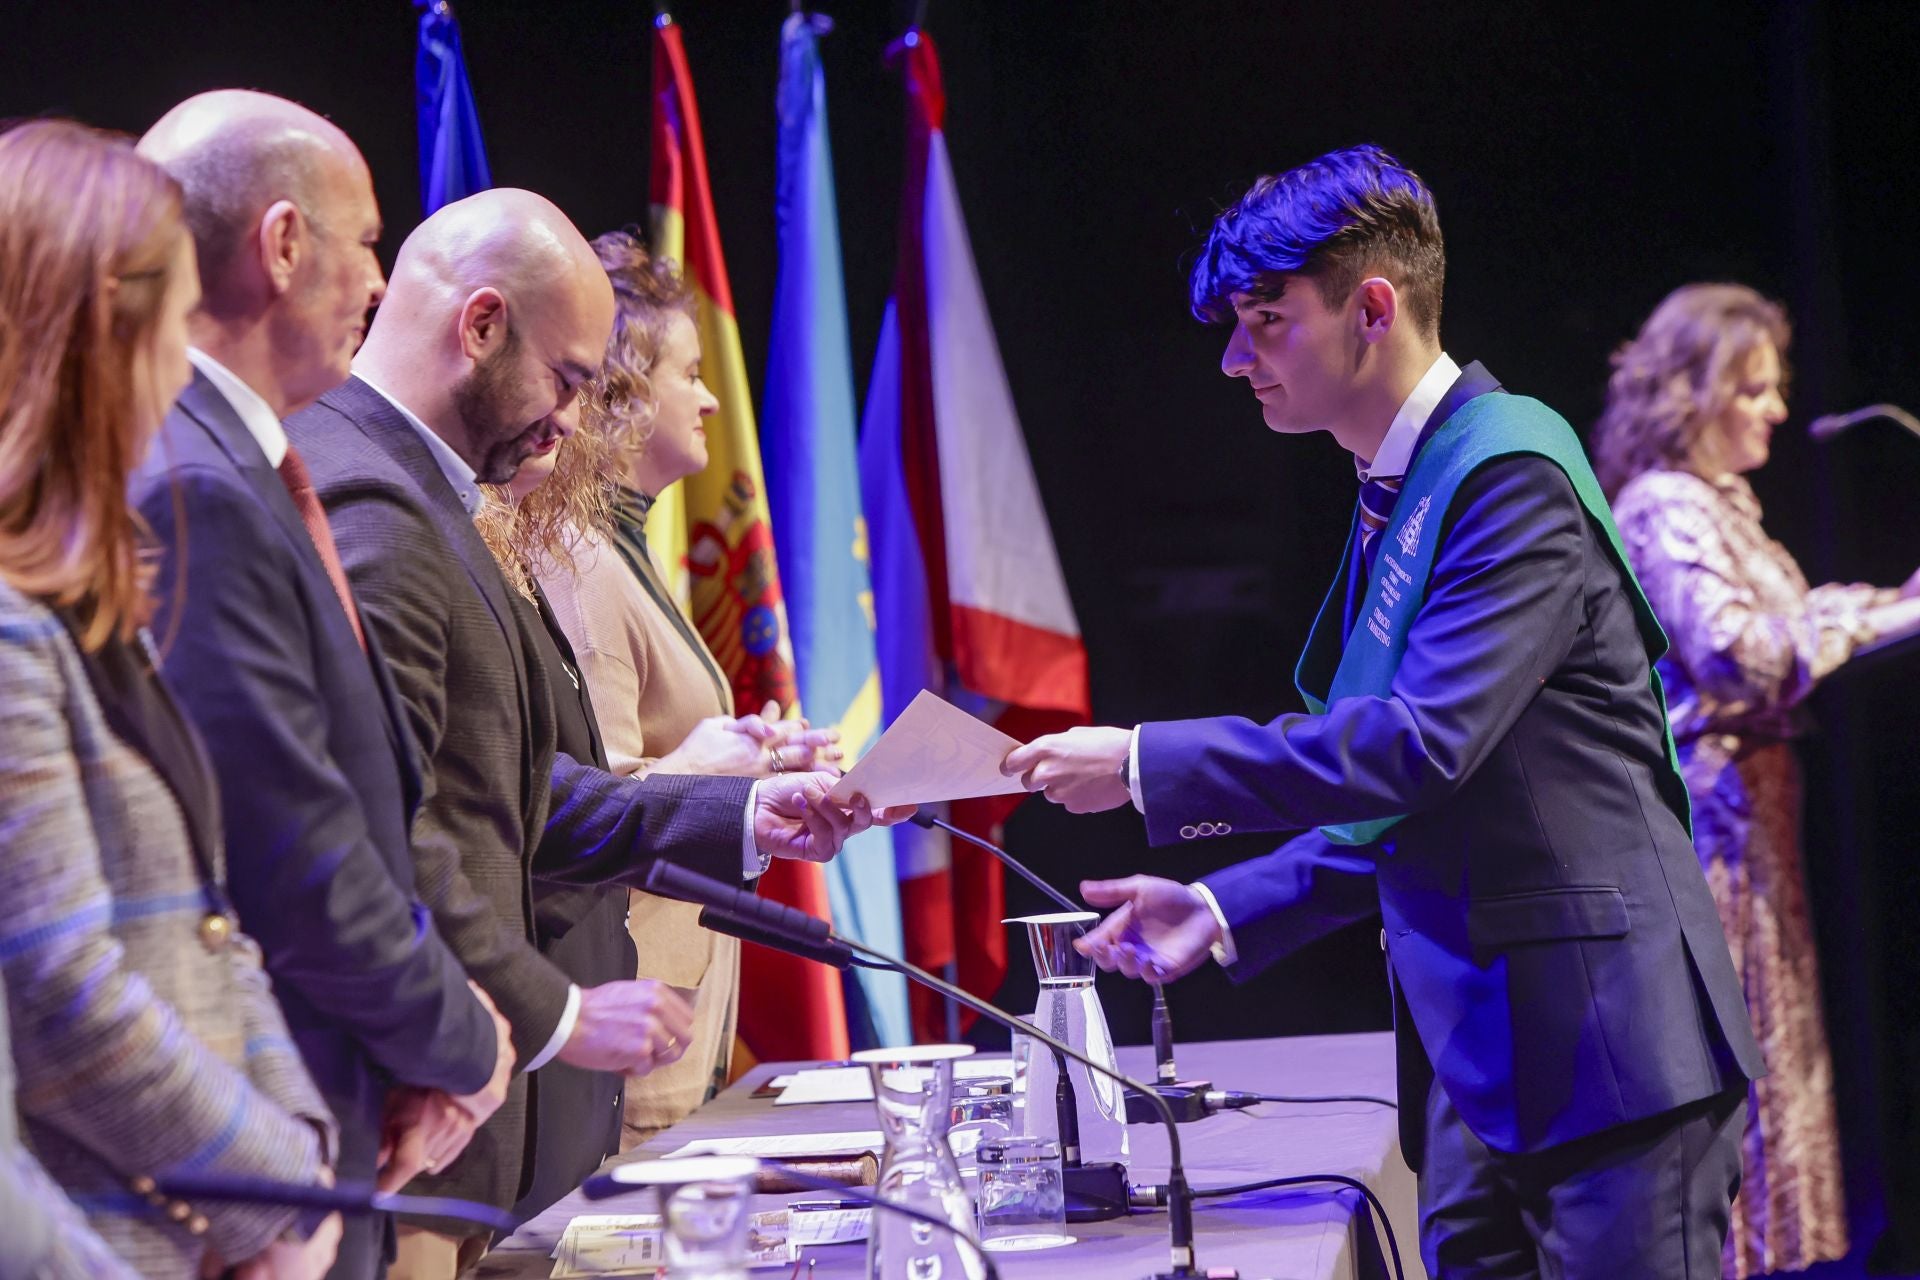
(318, 779)
(1559, 962)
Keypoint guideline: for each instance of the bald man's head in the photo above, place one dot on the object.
(281, 207)
(503, 297)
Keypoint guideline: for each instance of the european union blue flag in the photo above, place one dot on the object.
(813, 489)
(453, 162)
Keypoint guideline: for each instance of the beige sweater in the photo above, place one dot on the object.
(649, 690)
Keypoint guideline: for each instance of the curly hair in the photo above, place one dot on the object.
(1333, 220)
(617, 407)
(546, 526)
(1676, 378)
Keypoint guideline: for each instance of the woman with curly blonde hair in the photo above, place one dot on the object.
(662, 702)
(1691, 408)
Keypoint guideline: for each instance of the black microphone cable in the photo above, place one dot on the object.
(1331, 1097)
(1156, 1195)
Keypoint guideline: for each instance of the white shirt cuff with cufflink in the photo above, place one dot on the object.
(1224, 953)
(1133, 772)
(753, 863)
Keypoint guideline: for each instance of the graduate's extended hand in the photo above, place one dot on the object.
(1163, 929)
(1079, 769)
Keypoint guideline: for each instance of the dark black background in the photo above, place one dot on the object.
(1586, 159)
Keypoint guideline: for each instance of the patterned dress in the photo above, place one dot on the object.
(1750, 641)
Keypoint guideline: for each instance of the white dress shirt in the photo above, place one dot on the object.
(254, 412)
(466, 487)
(466, 484)
(1388, 463)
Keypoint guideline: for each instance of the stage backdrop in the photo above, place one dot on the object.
(1587, 159)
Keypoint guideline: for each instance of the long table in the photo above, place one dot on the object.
(1314, 1233)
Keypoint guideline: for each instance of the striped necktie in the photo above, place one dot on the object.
(1377, 497)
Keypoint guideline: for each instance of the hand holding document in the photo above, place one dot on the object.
(932, 751)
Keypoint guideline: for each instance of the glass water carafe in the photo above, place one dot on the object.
(705, 1206)
(913, 1092)
(1069, 1011)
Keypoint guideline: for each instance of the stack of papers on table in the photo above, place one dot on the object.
(855, 1084)
(611, 1244)
(851, 1142)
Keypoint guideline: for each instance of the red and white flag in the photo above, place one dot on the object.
(968, 594)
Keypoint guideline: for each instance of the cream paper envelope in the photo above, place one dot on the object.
(932, 751)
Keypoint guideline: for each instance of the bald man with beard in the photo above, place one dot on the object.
(497, 313)
(304, 728)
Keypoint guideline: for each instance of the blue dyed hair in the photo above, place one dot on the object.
(1335, 220)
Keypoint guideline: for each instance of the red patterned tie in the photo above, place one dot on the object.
(293, 474)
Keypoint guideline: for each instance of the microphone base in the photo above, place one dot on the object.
(1096, 1192)
(1187, 1102)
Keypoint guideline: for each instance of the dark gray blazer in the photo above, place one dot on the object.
(499, 798)
(318, 785)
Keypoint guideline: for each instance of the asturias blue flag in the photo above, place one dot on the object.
(453, 162)
(813, 489)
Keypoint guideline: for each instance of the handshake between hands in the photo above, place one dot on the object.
(797, 765)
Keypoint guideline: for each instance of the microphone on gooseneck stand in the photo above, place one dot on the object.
(1013, 864)
(773, 928)
(175, 1193)
(1189, 1100)
(1830, 425)
(1165, 1074)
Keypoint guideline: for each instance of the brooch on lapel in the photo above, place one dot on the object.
(1410, 531)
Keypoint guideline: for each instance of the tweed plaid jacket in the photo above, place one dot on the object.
(140, 1050)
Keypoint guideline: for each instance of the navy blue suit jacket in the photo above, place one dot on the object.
(1555, 949)
(318, 778)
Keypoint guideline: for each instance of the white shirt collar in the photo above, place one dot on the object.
(261, 422)
(1396, 450)
(466, 484)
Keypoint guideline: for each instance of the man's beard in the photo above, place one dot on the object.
(484, 400)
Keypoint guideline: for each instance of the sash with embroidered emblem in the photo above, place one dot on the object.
(1337, 664)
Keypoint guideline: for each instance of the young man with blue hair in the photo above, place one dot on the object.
(1484, 762)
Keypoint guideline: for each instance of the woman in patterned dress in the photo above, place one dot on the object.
(1691, 408)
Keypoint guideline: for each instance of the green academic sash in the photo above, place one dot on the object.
(1335, 665)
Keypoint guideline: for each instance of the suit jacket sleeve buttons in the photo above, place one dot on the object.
(1188, 832)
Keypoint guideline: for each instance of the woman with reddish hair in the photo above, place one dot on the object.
(145, 1035)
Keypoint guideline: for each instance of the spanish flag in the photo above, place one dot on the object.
(714, 539)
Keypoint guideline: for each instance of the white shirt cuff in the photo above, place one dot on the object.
(1133, 772)
(1224, 953)
(753, 863)
(561, 1032)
